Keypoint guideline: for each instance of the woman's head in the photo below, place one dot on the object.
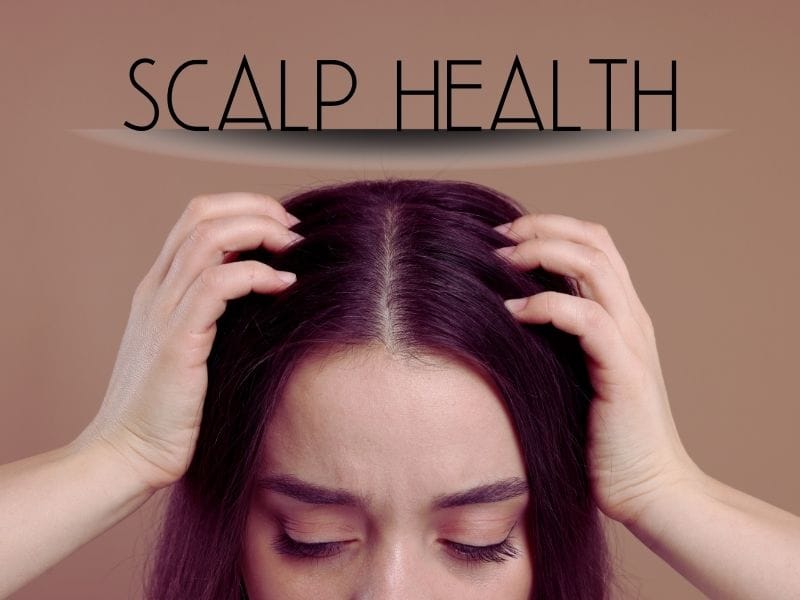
(389, 401)
(402, 462)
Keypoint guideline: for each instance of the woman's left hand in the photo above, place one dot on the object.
(633, 445)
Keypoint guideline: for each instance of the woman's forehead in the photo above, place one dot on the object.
(368, 419)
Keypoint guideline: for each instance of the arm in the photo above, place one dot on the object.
(730, 545)
(727, 543)
(143, 437)
(54, 502)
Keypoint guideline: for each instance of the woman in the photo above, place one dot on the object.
(373, 422)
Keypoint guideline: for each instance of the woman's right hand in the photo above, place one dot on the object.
(153, 405)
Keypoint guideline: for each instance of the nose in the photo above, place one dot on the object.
(396, 570)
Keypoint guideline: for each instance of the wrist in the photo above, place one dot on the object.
(100, 455)
(149, 462)
(676, 486)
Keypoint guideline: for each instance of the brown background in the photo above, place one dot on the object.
(708, 230)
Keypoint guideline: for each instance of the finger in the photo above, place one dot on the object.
(212, 206)
(536, 225)
(208, 242)
(597, 331)
(205, 300)
(589, 266)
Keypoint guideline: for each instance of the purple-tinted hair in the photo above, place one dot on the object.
(407, 263)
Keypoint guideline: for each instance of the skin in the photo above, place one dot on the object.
(727, 543)
(398, 435)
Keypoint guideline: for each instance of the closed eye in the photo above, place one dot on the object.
(476, 554)
(284, 544)
(500, 552)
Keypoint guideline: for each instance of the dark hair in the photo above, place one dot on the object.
(409, 264)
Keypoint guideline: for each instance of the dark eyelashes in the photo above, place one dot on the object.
(498, 553)
(472, 554)
(494, 553)
(290, 547)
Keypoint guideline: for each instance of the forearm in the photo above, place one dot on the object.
(54, 502)
(727, 543)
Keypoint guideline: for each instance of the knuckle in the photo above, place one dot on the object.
(524, 218)
(597, 230)
(252, 270)
(525, 248)
(210, 278)
(594, 315)
(198, 205)
(202, 232)
(139, 292)
(270, 202)
(596, 259)
(523, 223)
(144, 290)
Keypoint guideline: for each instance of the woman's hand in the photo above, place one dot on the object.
(634, 450)
(152, 408)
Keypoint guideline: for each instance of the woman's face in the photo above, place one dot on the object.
(386, 479)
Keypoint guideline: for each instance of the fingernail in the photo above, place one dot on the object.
(505, 250)
(504, 228)
(514, 304)
(286, 276)
(293, 237)
(292, 219)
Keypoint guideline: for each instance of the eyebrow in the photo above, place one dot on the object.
(311, 493)
(505, 489)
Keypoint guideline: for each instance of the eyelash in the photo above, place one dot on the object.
(291, 547)
(498, 553)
